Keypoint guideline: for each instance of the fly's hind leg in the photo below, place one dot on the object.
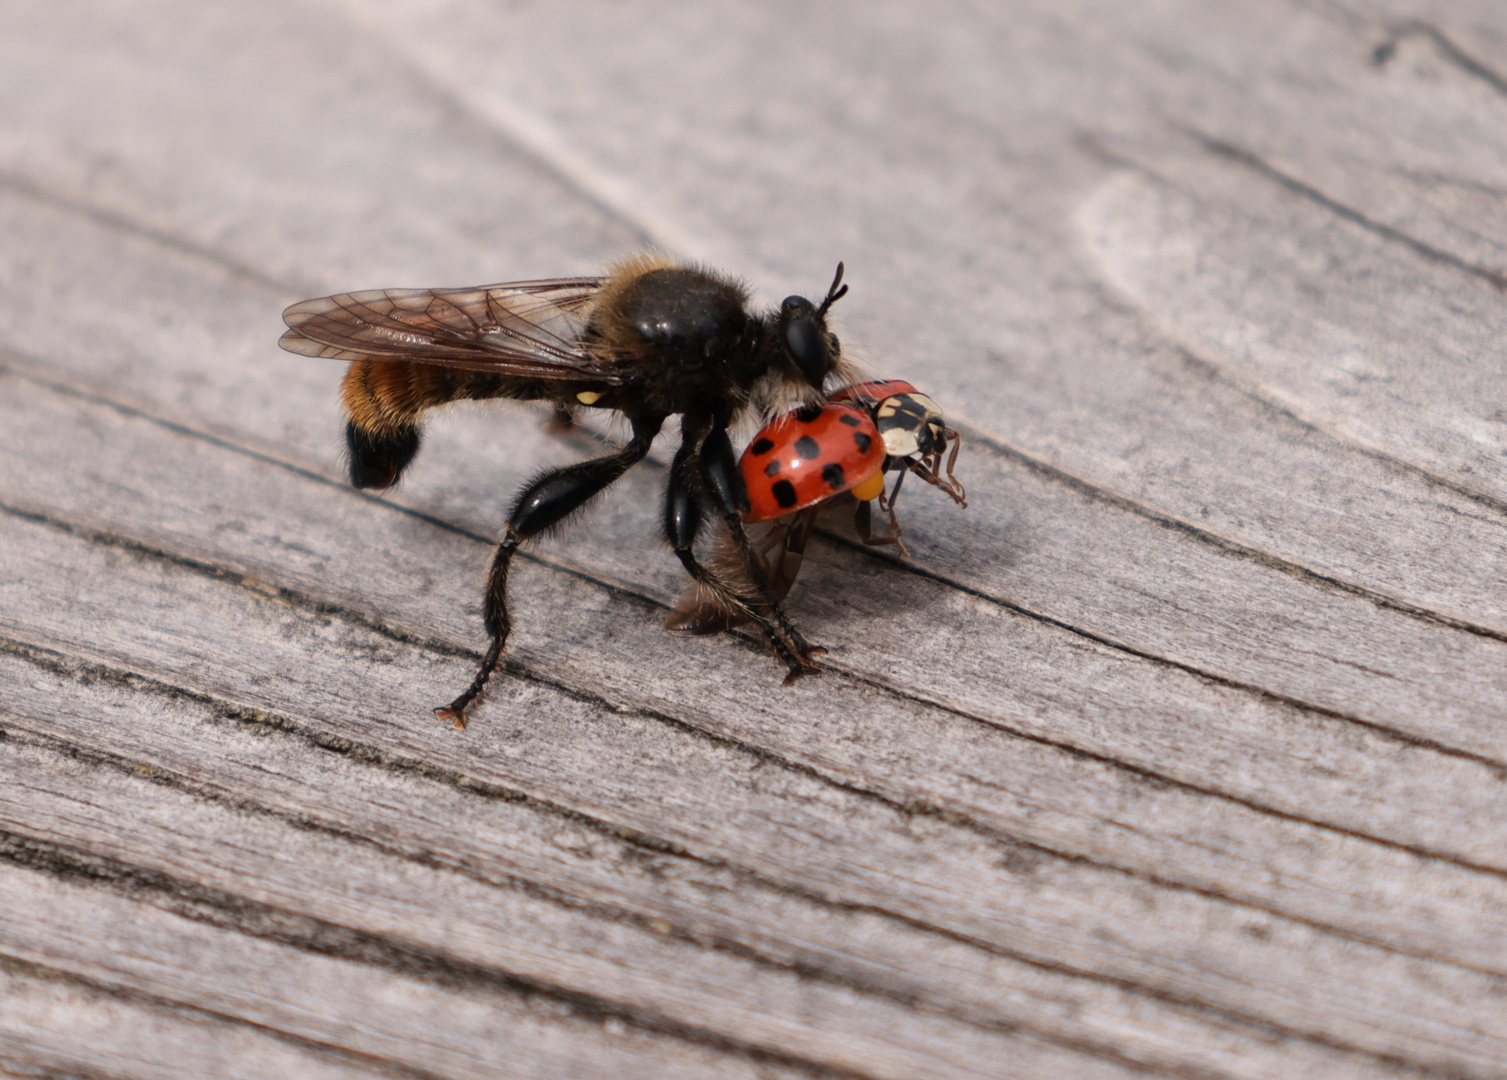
(720, 475)
(542, 504)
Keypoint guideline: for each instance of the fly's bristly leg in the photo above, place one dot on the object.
(705, 460)
(543, 503)
(798, 652)
(720, 474)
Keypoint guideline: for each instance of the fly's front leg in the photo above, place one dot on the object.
(724, 486)
(683, 523)
(541, 505)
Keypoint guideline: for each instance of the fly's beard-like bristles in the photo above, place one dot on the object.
(778, 393)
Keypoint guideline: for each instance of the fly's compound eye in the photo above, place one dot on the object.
(796, 307)
(806, 340)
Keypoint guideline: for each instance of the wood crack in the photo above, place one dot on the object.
(373, 756)
(1230, 151)
(120, 222)
(31, 969)
(254, 919)
(1402, 737)
(1455, 54)
(1228, 545)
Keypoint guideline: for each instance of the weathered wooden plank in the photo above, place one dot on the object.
(1357, 353)
(510, 842)
(463, 927)
(332, 559)
(1187, 699)
(50, 1026)
(326, 997)
(1076, 915)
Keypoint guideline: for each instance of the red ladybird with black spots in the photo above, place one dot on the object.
(819, 456)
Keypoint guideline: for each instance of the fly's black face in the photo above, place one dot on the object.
(809, 348)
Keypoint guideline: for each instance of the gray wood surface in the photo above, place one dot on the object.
(1181, 752)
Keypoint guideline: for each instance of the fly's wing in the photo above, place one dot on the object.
(779, 544)
(525, 329)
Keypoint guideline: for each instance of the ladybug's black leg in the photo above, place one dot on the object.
(544, 503)
(683, 523)
(863, 521)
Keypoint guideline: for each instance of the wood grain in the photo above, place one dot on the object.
(1180, 752)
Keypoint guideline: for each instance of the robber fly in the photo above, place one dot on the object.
(652, 339)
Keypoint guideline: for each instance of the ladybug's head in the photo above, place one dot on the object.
(911, 423)
(811, 351)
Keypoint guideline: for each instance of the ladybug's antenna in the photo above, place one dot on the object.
(834, 294)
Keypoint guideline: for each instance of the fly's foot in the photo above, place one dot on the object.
(455, 711)
(795, 670)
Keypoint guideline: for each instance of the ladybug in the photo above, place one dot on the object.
(815, 457)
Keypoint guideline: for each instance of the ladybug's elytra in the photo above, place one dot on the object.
(809, 456)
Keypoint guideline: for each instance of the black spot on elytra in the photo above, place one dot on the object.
(808, 448)
(849, 419)
(772, 468)
(808, 413)
(761, 447)
(834, 477)
(784, 493)
(863, 441)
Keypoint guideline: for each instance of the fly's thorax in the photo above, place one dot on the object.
(687, 316)
(681, 335)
